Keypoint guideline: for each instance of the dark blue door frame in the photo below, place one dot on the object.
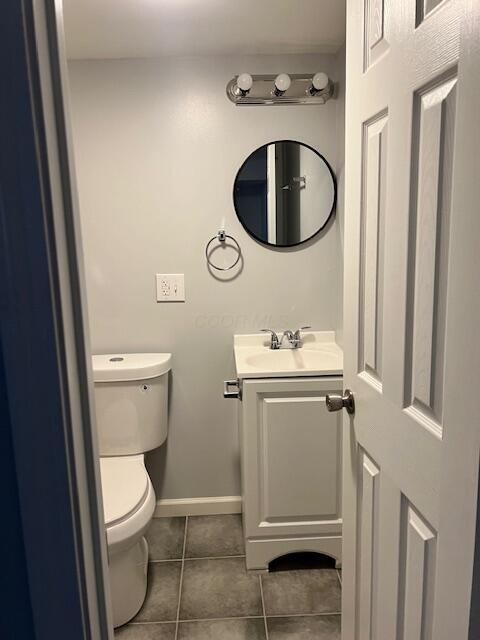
(42, 579)
(16, 615)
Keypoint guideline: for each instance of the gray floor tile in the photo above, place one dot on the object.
(165, 631)
(214, 536)
(245, 629)
(294, 592)
(165, 538)
(219, 589)
(162, 594)
(304, 628)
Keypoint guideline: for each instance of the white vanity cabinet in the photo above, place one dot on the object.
(291, 452)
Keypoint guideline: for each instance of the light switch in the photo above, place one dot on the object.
(170, 287)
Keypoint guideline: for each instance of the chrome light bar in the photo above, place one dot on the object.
(263, 90)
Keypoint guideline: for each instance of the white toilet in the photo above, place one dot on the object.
(131, 396)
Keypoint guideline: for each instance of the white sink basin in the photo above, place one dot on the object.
(319, 355)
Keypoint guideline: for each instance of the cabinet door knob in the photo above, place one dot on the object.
(335, 402)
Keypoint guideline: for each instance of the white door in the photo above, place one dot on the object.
(412, 318)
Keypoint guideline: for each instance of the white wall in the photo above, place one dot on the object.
(157, 147)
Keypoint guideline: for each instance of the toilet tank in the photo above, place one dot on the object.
(131, 401)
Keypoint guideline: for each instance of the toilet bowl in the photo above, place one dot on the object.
(131, 392)
(128, 505)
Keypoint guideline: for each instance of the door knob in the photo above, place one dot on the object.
(335, 402)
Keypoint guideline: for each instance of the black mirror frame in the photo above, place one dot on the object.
(330, 215)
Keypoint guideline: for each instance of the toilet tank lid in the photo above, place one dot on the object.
(123, 367)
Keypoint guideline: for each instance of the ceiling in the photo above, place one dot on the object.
(152, 28)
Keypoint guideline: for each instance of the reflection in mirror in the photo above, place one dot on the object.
(284, 193)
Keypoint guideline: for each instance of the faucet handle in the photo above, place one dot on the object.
(297, 335)
(274, 342)
(297, 332)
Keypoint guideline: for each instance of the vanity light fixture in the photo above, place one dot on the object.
(297, 88)
(282, 83)
(244, 84)
(320, 82)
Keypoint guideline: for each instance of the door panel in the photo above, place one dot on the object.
(367, 541)
(411, 451)
(424, 8)
(295, 428)
(376, 43)
(292, 448)
(417, 575)
(374, 154)
(432, 155)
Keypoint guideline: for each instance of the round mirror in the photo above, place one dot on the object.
(284, 193)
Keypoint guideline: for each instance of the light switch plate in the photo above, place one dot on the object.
(170, 287)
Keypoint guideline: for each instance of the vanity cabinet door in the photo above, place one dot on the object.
(291, 458)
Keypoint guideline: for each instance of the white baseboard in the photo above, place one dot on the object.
(198, 506)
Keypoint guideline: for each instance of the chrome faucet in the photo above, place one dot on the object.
(294, 338)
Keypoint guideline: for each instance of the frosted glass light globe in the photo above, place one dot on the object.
(320, 81)
(244, 82)
(282, 82)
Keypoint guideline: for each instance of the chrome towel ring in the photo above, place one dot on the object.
(222, 237)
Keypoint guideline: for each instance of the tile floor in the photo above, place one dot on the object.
(199, 589)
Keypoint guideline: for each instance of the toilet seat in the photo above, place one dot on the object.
(128, 499)
(124, 486)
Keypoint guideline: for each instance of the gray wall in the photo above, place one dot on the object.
(157, 147)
